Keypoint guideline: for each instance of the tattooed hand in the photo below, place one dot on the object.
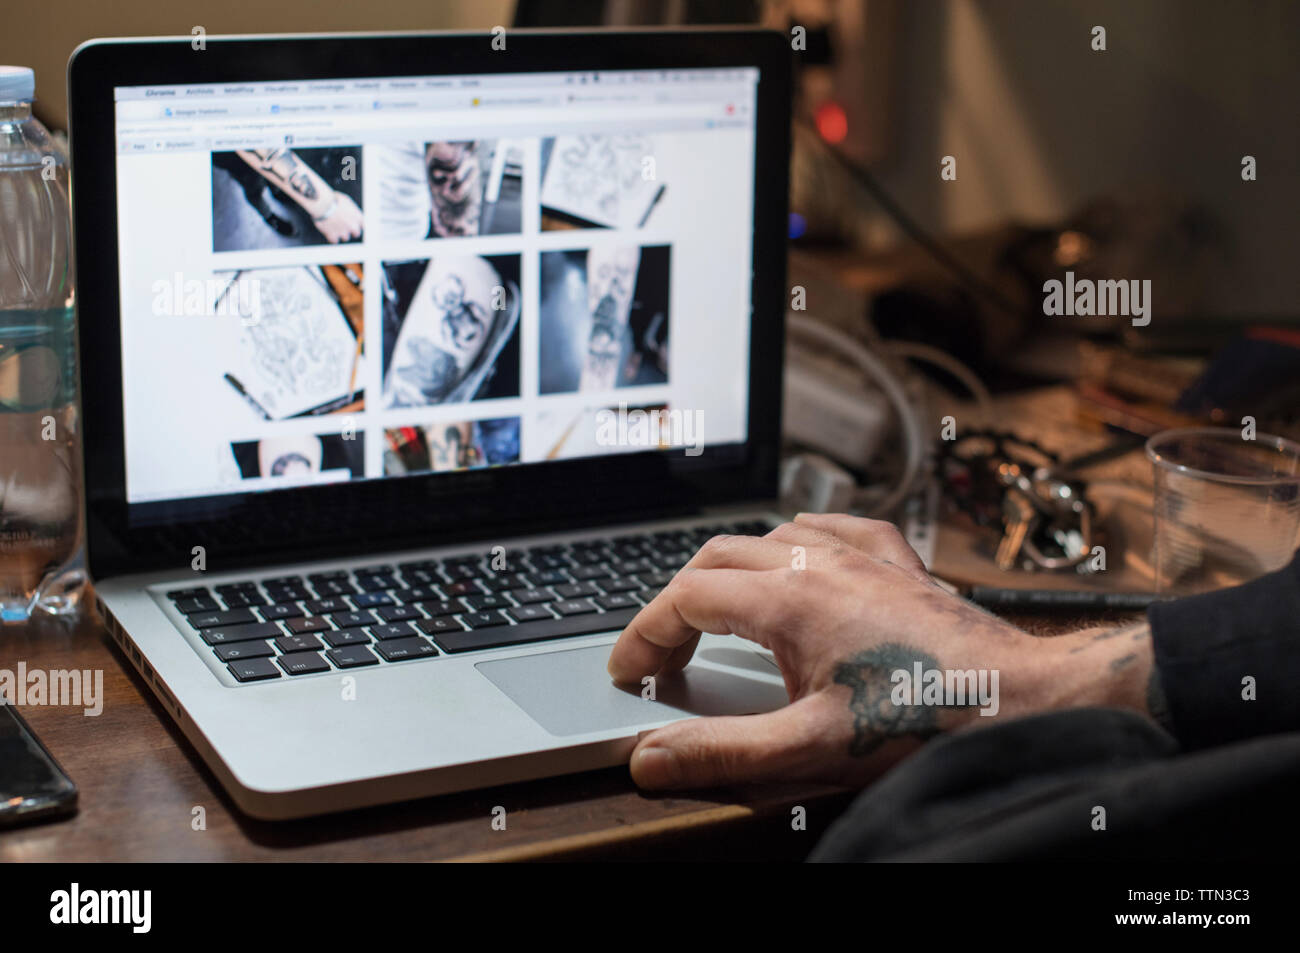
(845, 606)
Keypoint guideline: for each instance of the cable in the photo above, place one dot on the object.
(914, 439)
(932, 355)
(918, 234)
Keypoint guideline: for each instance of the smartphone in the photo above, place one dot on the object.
(32, 785)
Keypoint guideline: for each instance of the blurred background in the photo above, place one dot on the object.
(1039, 122)
(1103, 138)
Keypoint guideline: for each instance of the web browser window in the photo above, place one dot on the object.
(371, 278)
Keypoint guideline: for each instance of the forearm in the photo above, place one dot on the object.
(291, 175)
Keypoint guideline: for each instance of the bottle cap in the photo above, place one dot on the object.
(17, 84)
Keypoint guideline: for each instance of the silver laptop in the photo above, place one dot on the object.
(412, 368)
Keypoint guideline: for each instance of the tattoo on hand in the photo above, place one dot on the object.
(876, 718)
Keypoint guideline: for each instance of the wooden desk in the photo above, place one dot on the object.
(140, 780)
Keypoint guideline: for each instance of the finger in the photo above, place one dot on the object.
(694, 601)
(877, 538)
(706, 752)
(745, 552)
(680, 657)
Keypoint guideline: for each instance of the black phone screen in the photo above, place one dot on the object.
(31, 781)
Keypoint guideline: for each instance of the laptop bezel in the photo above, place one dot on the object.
(372, 515)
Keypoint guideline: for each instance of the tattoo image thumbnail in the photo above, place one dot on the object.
(451, 330)
(280, 197)
(599, 182)
(453, 445)
(449, 189)
(301, 458)
(604, 318)
(301, 340)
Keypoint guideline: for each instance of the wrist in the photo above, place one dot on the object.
(1107, 667)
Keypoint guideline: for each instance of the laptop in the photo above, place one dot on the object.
(412, 367)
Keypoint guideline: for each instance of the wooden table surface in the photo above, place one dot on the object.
(140, 780)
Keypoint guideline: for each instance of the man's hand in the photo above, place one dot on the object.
(341, 221)
(844, 603)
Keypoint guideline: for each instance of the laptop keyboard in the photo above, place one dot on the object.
(319, 622)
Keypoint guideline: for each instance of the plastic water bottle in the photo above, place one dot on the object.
(40, 455)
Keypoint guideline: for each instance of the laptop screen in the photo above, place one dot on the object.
(363, 279)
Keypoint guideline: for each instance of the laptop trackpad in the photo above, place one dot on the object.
(570, 692)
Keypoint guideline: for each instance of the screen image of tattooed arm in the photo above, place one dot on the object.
(335, 214)
(611, 281)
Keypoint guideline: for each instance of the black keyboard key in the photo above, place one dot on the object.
(619, 585)
(656, 580)
(529, 613)
(343, 637)
(241, 633)
(352, 656)
(303, 663)
(576, 590)
(573, 606)
(398, 613)
(239, 650)
(334, 587)
(489, 600)
(346, 620)
(584, 573)
(324, 606)
(253, 669)
(534, 631)
(502, 581)
(450, 607)
(397, 630)
(481, 620)
(238, 599)
(287, 595)
(370, 583)
(210, 620)
(442, 624)
(420, 577)
(283, 581)
(550, 577)
(466, 571)
(400, 650)
(464, 587)
(419, 594)
(549, 563)
(617, 600)
(298, 643)
(197, 604)
(192, 593)
(528, 597)
(589, 557)
(281, 611)
(370, 600)
(311, 623)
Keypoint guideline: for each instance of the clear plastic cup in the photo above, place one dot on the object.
(1227, 508)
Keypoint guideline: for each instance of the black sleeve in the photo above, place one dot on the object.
(1216, 650)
